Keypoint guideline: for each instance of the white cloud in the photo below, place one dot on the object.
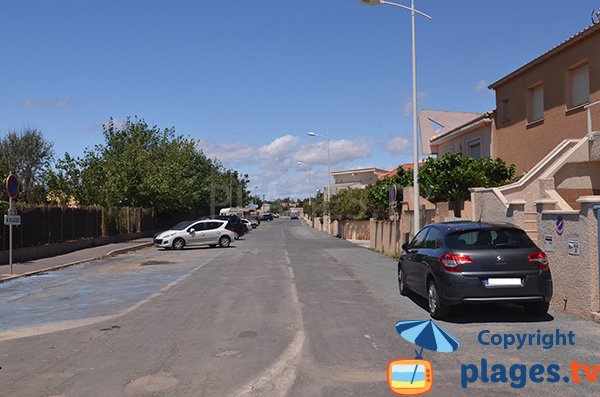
(294, 184)
(273, 165)
(230, 154)
(341, 150)
(398, 145)
(407, 109)
(481, 86)
(280, 147)
(54, 104)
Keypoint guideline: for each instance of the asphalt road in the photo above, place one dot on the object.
(287, 311)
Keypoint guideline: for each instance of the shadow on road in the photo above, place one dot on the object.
(484, 313)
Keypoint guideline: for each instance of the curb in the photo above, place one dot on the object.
(58, 267)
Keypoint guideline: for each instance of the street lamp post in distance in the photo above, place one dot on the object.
(416, 215)
(301, 164)
(328, 196)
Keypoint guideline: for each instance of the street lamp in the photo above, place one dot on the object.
(301, 164)
(413, 11)
(328, 197)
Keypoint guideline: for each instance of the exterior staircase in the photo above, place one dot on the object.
(517, 202)
(530, 225)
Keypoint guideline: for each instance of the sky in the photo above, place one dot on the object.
(248, 79)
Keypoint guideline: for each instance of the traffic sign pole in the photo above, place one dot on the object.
(10, 237)
(12, 188)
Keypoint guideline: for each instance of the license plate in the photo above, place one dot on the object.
(502, 282)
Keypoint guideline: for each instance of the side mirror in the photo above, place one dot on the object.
(405, 247)
(191, 230)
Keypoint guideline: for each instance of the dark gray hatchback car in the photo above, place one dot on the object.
(469, 262)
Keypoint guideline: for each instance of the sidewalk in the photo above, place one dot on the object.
(362, 243)
(74, 257)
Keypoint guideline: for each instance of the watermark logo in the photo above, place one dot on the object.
(412, 377)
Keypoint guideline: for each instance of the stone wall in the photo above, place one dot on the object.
(575, 276)
(354, 230)
(386, 236)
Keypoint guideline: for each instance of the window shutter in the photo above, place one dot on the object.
(580, 86)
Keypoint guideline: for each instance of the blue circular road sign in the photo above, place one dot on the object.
(12, 186)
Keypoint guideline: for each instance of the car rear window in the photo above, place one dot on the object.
(489, 238)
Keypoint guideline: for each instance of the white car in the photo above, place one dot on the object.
(248, 224)
(210, 232)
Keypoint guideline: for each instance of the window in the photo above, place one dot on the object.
(536, 103)
(489, 238)
(419, 240)
(199, 226)
(433, 239)
(578, 86)
(212, 225)
(474, 148)
(504, 111)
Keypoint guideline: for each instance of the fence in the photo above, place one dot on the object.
(42, 225)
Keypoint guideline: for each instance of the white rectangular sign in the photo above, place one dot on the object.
(548, 243)
(573, 246)
(12, 219)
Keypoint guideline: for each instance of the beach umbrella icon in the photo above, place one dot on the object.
(427, 335)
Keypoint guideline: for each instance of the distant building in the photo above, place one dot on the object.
(460, 132)
(473, 138)
(392, 173)
(354, 179)
(433, 123)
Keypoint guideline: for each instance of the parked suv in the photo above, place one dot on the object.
(456, 263)
(210, 232)
(235, 223)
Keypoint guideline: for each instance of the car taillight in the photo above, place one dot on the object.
(539, 257)
(452, 262)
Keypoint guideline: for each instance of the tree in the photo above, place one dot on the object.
(351, 204)
(143, 166)
(449, 178)
(28, 155)
(379, 193)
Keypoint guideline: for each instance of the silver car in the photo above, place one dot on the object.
(211, 232)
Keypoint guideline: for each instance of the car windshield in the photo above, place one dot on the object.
(489, 238)
(182, 225)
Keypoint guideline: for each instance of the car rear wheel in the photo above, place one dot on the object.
(436, 309)
(402, 282)
(224, 242)
(178, 244)
(537, 308)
